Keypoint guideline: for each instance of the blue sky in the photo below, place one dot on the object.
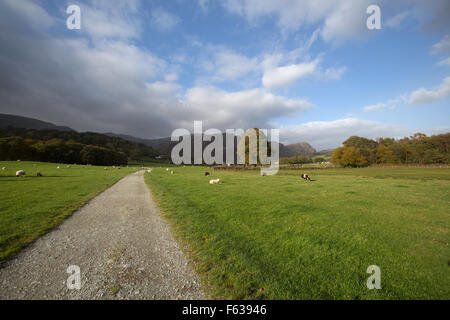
(310, 68)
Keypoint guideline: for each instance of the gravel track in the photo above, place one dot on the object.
(120, 242)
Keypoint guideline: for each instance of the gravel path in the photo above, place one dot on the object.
(123, 247)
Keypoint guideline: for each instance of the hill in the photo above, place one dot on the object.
(163, 146)
(9, 120)
(300, 149)
(69, 147)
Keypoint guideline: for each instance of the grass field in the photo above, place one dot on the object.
(31, 206)
(278, 237)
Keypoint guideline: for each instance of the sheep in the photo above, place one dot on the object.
(149, 170)
(4, 168)
(68, 166)
(172, 172)
(38, 174)
(57, 167)
(167, 169)
(305, 177)
(20, 173)
(207, 174)
(214, 181)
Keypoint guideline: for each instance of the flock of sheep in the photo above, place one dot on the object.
(22, 173)
(304, 176)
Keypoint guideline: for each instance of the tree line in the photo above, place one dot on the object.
(69, 147)
(418, 149)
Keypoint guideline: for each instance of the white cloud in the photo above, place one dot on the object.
(334, 73)
(391, 104)
(375, 107)
(241, 109)
(339, 19)
(164, 20)
(226, 65)
(417, 97)
(422, 95)
(32, 15)
(290, 14)
(347, 20)
(103, 19)
(442, 47)
(444, 62)
(287, 75)
(395, 21)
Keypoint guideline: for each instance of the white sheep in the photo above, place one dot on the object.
(20, 173)
(167, 169)
(57, 167)
(4, 168)
(171, 172)
(214, 181)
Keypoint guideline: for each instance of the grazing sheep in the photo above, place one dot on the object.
(207, 174)
(38, 174)
(4, 168)
(20, 173)
(105, 168)
(171, 172)
(57, 167)
(167, 169)
(68, 166)
(214, 181)
(305, 177)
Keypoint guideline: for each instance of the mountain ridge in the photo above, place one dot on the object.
(162, 146)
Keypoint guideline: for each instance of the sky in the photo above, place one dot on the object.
(310, 68)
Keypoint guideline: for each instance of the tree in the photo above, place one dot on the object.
(385, 154)
(349, 157)
(367, 147)
(245, 148)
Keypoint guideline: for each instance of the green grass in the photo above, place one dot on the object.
(31, 206)
(313, 240)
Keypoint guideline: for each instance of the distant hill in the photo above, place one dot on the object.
(9, 120)
(300, 149)
(163, 146)
(325, 152)
(70, 147)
